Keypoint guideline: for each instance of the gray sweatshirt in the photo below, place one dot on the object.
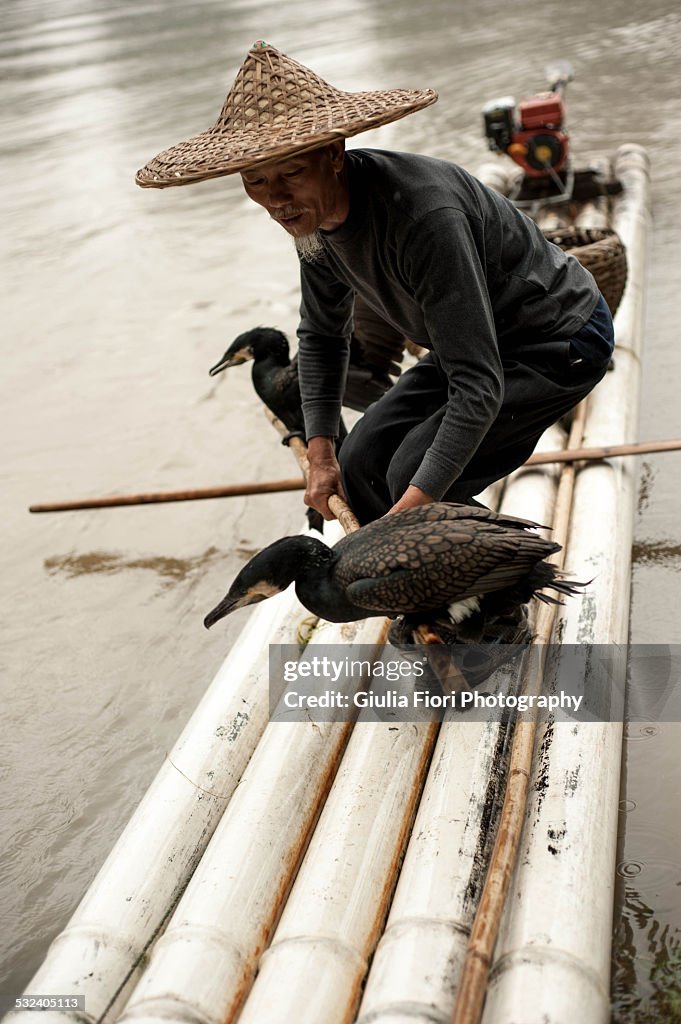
(455, 267)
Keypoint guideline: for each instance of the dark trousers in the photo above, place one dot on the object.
(543, 379)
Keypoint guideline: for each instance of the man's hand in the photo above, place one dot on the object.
(412, 498)
(324, 477)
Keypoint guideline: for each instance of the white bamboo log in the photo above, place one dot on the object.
(596, 212)
(415, 971)
(101, 951)
(202, 967)
(531, 493)
(553, 956)
(319, 954)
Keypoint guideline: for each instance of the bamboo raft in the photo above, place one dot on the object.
(318, 872)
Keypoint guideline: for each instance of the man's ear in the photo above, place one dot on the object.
(337, 153)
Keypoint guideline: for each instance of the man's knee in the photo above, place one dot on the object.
(349, 454)
(362, 462)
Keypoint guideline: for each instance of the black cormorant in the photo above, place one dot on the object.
(376, 350)
(442, 559)
(274, 375)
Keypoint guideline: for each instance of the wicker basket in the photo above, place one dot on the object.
(602, 252)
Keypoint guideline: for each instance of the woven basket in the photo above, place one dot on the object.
(602, 252)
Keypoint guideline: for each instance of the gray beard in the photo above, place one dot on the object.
(310, 248)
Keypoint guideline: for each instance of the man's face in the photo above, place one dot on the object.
(304, 192)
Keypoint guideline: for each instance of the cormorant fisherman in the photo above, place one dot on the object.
(518, 332)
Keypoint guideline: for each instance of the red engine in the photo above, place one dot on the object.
(532, 133)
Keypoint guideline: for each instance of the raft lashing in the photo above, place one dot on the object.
(318, 872)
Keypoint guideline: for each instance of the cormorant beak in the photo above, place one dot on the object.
(226, 605)
(231, 602)
(232, 359)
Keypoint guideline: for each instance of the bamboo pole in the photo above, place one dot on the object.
(592, 454)
(191, 494)
(553, 953)
(596, 453)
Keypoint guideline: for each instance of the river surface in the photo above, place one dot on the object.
(116, 300)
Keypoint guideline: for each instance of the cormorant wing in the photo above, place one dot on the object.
(425, 558)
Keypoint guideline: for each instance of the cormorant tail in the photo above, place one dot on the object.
(545, 575)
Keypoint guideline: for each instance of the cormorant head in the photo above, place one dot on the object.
(255, 344)
(269, 572)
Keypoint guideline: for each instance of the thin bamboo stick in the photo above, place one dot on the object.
(595, 453)
(606, 451)
(191, 494)
(340, 508)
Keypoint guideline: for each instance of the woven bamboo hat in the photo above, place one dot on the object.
(276, 107)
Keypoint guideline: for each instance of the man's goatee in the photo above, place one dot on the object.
(310, 248)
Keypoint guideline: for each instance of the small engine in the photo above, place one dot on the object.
(533, 132)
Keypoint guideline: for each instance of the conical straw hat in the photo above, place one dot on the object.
(276, 108)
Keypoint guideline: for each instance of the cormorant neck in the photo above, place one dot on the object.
(301, 557)
(275, 357)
